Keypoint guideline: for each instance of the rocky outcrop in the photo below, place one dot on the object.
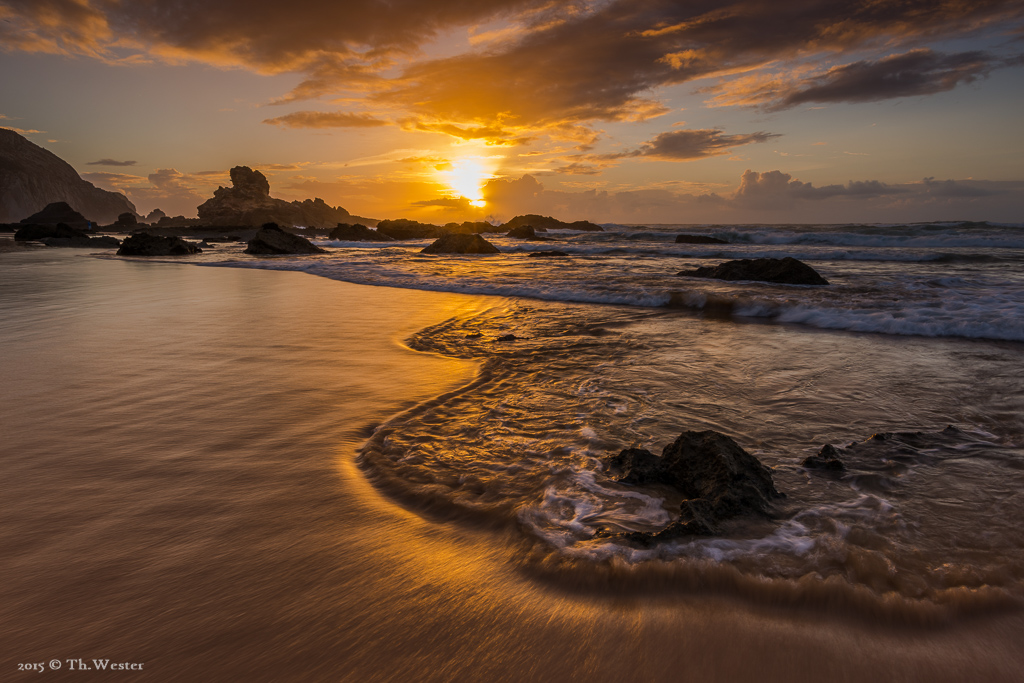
(550, 253)
(527, 232)
(545, 223)
(825, 459)
(717, 478)
(468, 227)
(460, 244)
(62, 235)
(28, 233)
(698, 239)
(358, 233)
(32, 177)
(248, 202)
(126, 221)
(406, 229)
(145, 244)
(271, 239)
(155, 215)
(57, 213)
(787, 271)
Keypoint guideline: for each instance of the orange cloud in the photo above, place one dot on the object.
(325, 119)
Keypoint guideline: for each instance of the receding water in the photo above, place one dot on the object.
(192, 479)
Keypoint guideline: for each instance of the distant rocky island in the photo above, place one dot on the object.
(248, 203)
(32, 178)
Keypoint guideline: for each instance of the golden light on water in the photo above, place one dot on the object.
(466, 178)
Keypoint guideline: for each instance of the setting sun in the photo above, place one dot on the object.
(466, 177)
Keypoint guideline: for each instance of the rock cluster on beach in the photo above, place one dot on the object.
(358, 233)
(62, 235)
(271, 239)
(145, 244)
(718, 479)
(787, 271)
(57, 213)
(455, 243)
(32, 177)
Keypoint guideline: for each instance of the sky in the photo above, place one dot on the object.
(626, 111)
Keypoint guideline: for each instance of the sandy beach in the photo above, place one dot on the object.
(181, 492)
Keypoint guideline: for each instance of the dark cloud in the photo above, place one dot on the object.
(325, 119)
(552, 66)
(961, 188)
(776, 190)
(685, 145)
(111, 162)
(918, 72)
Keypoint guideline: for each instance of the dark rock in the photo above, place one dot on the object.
(522, 232)
(271, 239)
(145, 244)
(787, 271)
(507, 338)
(405, 229)
(698, 239)
(41, 232)
(126, 221)
(32, 177)
(155, 215)
(358, 233)
(545, 223)
(472, 227)
(58, 212)
(248, 203)
(718, 479)
(551, 253)
(826, 459)
(460, 244)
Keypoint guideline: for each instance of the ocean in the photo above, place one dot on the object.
(289, 477)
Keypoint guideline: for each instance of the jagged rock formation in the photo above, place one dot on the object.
(718, 479)
(825, 459)
(786, 271)
(155, 215)
(455, 243)
(248, 202)
(32, 177)
(358, 233)
(545, 223)
(271, 239)
(144, 244)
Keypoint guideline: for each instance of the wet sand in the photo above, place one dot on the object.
(179, 490)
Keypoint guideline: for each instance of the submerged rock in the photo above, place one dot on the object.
(698, 239)
(271, 239)
(358, 233)
(460, 244)
(826, 459)
(551, 253)
(145, 244)
(718, 479)
(788, 271)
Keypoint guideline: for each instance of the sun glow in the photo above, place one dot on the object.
(466, 177)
